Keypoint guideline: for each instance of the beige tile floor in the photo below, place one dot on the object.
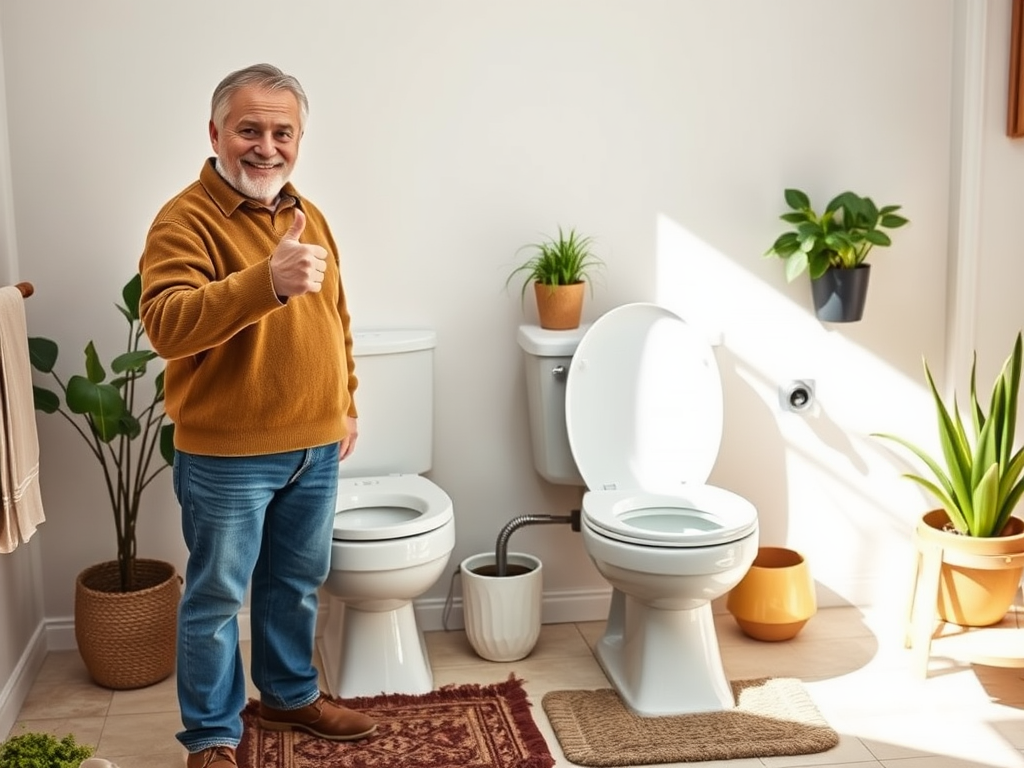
(852, 663)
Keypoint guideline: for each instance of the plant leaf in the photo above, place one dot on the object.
(101, 402)
(93, 366)
(986, 503)
(132, 361)
(42, 353)
(797, 199)
(167, 443)
(45, 400)
(132, 295)
(796, 264)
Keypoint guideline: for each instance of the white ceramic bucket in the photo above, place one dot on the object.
(502, 613)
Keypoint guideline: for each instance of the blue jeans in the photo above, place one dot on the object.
(267, 519)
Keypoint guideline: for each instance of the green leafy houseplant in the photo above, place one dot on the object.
(564, 260)
(980, 482)
(841, 237)
(42, 750)
(122, 427)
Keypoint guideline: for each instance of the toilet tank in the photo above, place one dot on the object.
(547, 355)
(395, 400)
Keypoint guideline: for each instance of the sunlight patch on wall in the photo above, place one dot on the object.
(813, 475)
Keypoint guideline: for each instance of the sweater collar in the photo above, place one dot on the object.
(227, 198)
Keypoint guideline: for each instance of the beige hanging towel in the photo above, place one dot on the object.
(19, 441)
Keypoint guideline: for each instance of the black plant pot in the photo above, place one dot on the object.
(839, 294)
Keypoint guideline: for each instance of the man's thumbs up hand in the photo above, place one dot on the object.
(297, 268)
(298, 226)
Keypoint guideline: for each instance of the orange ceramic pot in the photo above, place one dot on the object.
(775, 598)
(974, 597)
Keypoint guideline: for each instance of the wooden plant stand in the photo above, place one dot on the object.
(990, 646)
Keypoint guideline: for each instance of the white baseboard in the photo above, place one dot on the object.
(16, 689)
(556, 608)
(60, 634)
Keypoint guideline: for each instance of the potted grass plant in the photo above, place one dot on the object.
(125, 608)
(978, 482)
(833, 247)
(558, 268)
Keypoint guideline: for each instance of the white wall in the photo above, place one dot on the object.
(998, 311)
(22, 640)
(445, 135)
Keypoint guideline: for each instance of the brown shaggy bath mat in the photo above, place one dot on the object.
(773, 716)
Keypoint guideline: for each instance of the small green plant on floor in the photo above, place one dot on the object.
(42, 750)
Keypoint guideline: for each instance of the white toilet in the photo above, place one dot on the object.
(631, 407)
(394, 530)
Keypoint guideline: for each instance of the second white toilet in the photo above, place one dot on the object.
(632, 408)
(394, 530)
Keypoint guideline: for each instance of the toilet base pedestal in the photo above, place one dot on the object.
(664, 662)
(366, 653)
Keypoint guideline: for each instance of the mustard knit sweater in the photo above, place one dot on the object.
(247, 374)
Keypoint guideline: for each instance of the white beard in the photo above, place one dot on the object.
(258, 189)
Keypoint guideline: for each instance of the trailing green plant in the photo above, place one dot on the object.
(563, 260)
(123, 428)
(42, 750)
(979, 481)
(841, 237)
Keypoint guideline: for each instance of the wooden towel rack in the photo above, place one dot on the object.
(26, 289)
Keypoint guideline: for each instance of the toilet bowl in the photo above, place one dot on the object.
(643, 418)
(394, 530)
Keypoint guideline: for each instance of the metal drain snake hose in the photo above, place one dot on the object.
(501, 548)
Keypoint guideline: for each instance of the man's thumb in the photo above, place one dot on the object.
(297, 226)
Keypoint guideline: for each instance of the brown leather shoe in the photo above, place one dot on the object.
(325, 718)
(212, 757)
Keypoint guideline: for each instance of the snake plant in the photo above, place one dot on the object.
(979, 482)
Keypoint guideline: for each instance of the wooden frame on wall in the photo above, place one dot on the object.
(1015, 104)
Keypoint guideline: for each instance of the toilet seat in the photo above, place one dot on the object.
(389, 507)
(696, 516)
(644, 415)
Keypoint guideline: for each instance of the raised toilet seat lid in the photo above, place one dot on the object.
(389, 507)
(644, 415)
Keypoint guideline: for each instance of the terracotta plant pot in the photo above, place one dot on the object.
(775, 599)
(974, 597)
(559, 307)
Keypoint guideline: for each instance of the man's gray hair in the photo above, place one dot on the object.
(264, 76)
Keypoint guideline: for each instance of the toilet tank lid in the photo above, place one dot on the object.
(545, 343)
(391, 341)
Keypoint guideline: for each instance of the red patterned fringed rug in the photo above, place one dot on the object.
(458, 726)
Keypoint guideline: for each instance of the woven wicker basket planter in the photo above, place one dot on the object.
(127, 639)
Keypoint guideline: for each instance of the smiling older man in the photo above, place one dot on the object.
(242, 295)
